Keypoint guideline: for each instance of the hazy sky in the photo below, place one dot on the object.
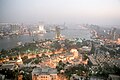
(60, 11)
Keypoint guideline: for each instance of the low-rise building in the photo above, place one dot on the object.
(7, 66)
(113, 77)
(45, 73)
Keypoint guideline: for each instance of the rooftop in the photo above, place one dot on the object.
(45, 70)
(7, 66)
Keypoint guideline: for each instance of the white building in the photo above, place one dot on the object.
(41, 29)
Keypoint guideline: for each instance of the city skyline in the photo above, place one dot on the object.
(54, 11)
(59, 39)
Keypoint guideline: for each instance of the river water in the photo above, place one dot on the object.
(8, 43)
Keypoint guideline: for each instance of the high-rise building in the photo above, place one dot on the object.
(14, 28)
(57, 29)
(41, 29)
(113, 34)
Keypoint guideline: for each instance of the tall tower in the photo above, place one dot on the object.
(57, 29)
(113, 34)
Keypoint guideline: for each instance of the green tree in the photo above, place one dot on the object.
(60, 66)
(3, 51)
(78, 44)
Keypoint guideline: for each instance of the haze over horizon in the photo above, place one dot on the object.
(60, 11)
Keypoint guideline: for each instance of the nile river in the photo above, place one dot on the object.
(8, 43)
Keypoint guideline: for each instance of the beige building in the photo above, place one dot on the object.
(44, 73)
(74, 52)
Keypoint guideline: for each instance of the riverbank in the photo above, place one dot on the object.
(8, 43)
